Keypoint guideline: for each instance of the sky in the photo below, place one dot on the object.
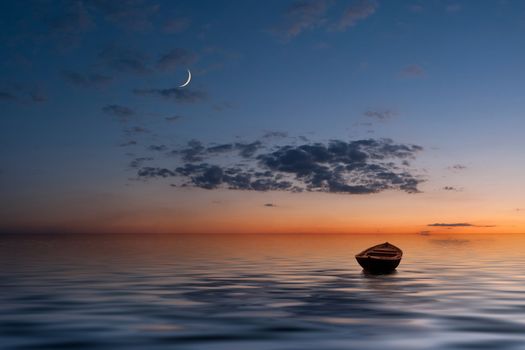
(301, 116)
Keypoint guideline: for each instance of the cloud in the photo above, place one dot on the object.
(155, 172)
(453, 8)
(275, 134)
(306, 15)
(451, 188)
(222, 106)
(270, 205)
(181, 95)
(176, 25)
(124, 60)
(137, 162)
(356, 12)
(416, 8)
(413, 71)
(122, 113)
(355, 167)
(301, 16)
(450, 241)
(381, 115)
(87, 80)
(173, 118)
(158, 148)
(176, 58)
(129, 14)
(457, 167)
(7, 96)
(136, 130)
(69, 23)
(461, 224)
(38, 96)
(128, 143)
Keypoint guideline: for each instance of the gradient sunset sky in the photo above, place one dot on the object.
(302, 116)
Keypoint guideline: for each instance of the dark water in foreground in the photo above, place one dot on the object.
(259, 292)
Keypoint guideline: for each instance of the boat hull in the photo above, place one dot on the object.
(378, 265)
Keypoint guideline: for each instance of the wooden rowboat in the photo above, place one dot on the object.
(383, 257)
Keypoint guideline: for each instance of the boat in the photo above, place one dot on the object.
(380, 258)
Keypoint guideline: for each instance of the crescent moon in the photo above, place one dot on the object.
(187, 81)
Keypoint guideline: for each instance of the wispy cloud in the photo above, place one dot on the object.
(305, 15)
(381, 115)
(301, 16)
(176, 25)
(124, 59)
(357, 11)
(122, 113)
(7, 96)
(413, 71)
(134, 15)
(457, 167)
(173, 118)
(176, 58)
(87, 80)
(185, 95)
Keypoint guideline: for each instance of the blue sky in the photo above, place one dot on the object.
(89, 86)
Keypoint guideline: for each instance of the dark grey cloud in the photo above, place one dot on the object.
(137, 162)
(357, 11)
(220, 148)
(181, 95)
(15, 92)
(134, 130)
(222, 106)
(451, 188)
(173, 118)
(450, 241)
(7, 96)
(122, 113)
(124, 60)
(194, 152)
(87, 80)
(149, 172)
(381, 115)
(176, 25)
(461, 224)
(355, 167)
(270, 205)
(413, 71)
(158, 148)
(128, 14)
(457, 167)
(176, 58)
(247, 150)
(128, 143)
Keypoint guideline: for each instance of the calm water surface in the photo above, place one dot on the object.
(259, 292)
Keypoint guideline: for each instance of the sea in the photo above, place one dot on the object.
(255, 292)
